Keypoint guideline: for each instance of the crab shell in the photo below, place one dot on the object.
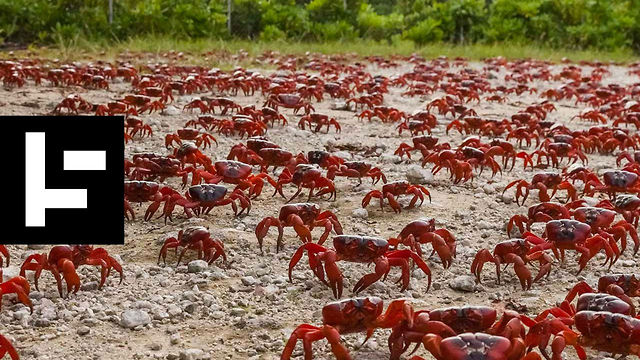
(566, 233)
(353, 315)
(207, 192)
(231, 169)
(466, 318)
(602, 302)
(605, 331)
(361, 249)
(140, 191)
(308, 212)
(418, 227)
(595, 217)
(475, 346)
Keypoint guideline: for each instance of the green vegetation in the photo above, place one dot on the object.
(224, 49)
(602, 25)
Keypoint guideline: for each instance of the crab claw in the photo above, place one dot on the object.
(7, 348)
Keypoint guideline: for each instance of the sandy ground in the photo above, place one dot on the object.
(248, 310)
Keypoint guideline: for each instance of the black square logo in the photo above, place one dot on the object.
(63, 180)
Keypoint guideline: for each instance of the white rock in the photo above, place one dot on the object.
(10, 272)
(339, 105)
(488, 189)
(83, 330)
(418, 175)
(343, 154)
(197, 266)
(360, 213)
(390, 159)
(132, 318)
(191, 354)
(463, 283)
(171, 111)
(249, 281)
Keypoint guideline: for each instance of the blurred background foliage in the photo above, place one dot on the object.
(597, 24)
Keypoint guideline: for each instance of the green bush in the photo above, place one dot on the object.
(600, 24)
(424, 32)
(246, 19)
(271, 33)
(335, 31)
(321, 11)
(286, 16)
(378, 27)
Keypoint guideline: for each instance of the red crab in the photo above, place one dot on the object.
(289, 101)
(624, 286)
(113, 108)
(197, 104)
(249, 153)
(234, 172)
(542, 212)
(195, 238)
(423, 232)
(508, 153)
(148, 191)
(556, 151)
(278, 157)
(306, 176)
(73, 103)
(542, 182)
(393, 190)
(561, 235)
(188, 152)
(244, 125)
(224, 103)
(454, 321)
(589, 302)
(614, 181)
(200, 138)
(356, 169)
(603, 331)
(345, 317)
(324, 159)
(518, 252)
(16, 285)
(626, 205)
(203, 198)
(384, 113)
(133, 125)
(477, 125)
(303, 218)
(479, 346)
(319, 120)
(426, 144)
(165, 93)
(143, 103)
(66, 259)
(602, 222)
(459, 161)
(630, 157)
(415, 127)
(149, 166)
(270, 115)
(207, 122)
(358, 249)
(7, 348)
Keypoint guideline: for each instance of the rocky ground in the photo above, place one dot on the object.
(248, 309)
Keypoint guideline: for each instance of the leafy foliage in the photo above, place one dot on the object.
(600, 24)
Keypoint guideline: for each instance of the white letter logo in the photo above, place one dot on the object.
(37, 197)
